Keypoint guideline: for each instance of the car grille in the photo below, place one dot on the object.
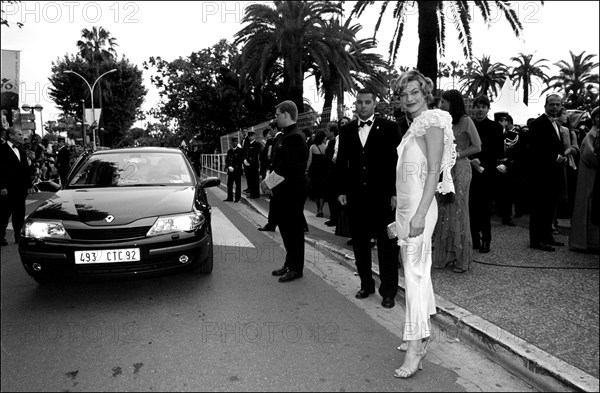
(108, 234)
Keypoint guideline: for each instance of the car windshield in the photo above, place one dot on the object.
(126, 169)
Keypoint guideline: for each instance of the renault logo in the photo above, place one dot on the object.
(110, 218)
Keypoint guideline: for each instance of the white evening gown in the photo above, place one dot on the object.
(411, 172)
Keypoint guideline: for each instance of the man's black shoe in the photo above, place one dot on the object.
(330, 223)
(280, 272)
(542, 247)
(362, 294)
(290, 275)
(4, 242)
(388, 302)
(485, 248)
(555, 243)
(227, 200)
(509, 223)
(267, 228)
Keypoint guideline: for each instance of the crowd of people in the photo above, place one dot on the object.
(424, 188)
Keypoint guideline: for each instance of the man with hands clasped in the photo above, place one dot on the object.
(486, 166)
(546, 174)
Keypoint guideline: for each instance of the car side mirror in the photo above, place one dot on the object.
(210, 182)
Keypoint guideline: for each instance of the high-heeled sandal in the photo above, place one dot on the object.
(404, 373)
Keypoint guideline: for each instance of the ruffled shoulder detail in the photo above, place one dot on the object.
(443, 120)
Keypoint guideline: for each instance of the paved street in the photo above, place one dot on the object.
(236, 329)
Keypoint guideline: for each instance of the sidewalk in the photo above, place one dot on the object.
(534, 312)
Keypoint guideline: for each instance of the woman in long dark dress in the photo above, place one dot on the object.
(452, 242)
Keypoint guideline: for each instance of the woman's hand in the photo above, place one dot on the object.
(417, 225)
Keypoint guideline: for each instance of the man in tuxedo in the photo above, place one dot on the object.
(289, 161)
(486, 166)
(274, 146)
(15, 182)
(233, 163)
(546, 174)
(366, 165)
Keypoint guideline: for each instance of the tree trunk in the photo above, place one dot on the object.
(327, 109)
(428, 29)
(525, 91)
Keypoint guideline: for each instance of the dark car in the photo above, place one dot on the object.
(123, 212)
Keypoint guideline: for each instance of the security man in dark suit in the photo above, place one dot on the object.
(546, 174)
(15, 182)
(366, 164)
(486, 167)
(289, 161)
(233, 164)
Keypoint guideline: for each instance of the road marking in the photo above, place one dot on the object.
(225, 233)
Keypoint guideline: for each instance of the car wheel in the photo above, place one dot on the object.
(207, 266)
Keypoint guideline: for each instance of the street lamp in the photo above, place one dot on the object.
(39, 108)
(83, 121)
(92, 95)
(29, 108)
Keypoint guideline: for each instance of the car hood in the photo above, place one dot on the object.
(125, 205)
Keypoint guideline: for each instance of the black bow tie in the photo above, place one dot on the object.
(362, 123)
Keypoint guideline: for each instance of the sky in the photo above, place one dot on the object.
(176, 29)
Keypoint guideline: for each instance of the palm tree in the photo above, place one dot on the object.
(482, 77)
(432, 26)
(360, 68)
(97, 47)
(458, 70)
(525, 70)
(575, 78)
(443, 71)
(290, 33)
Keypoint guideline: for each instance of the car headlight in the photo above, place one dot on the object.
(46, 229)
(177, 223)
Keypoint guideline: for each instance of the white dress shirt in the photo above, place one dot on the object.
(363, 132)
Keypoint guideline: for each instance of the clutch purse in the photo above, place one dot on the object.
(391, 230)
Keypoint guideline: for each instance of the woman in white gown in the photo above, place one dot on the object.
(426, 150)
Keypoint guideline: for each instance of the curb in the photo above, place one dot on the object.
(545, 372)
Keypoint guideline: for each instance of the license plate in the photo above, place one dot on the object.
(107, 256)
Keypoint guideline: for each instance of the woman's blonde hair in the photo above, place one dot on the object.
(425, 83)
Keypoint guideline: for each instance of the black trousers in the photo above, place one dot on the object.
(12, 205)
(237, 180)
(480, 208)
(368, 220)
(253, 181)
(543, 208)
(289, 214)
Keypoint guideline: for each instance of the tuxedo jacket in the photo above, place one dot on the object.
(492, 145)
(368, 174)
(289, 159)
(544, 148)
(14, 174)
